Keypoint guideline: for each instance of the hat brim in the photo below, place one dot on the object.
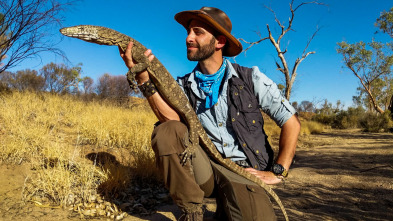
(234, 46)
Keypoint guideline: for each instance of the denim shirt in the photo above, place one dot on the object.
(215, 120)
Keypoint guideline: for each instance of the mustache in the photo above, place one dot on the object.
(192, 45)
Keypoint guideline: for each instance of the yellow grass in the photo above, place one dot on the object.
(311, 127)
(55, 133)
(76, 148)
(307, 127)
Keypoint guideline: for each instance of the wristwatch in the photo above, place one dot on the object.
(279, 170)
(147, 88)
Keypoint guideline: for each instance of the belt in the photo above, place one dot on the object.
(243, 163)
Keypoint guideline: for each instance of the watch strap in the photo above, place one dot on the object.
(284, 173)
(147, 88)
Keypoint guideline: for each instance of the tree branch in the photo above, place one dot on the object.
(276, 42)
(309, 41)
(252, 43)
(25, 30)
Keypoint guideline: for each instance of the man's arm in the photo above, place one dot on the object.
(288, 141)
(287, 146)
(160, 108)
(280, 110)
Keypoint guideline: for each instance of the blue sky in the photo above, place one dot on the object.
(320, 76)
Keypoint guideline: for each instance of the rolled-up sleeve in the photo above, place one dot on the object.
(272, 102)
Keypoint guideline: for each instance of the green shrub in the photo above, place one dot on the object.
(323, 118)
(342, 119)
(349, 118)
(373, 122)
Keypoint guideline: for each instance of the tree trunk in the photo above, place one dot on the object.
(288, 90)
(374, 103)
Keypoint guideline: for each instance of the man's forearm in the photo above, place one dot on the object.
(288, 141)
(161, 109)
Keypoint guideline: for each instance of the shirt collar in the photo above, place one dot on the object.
(194, 86)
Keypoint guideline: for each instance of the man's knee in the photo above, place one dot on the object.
(241, 200)
(168, 138)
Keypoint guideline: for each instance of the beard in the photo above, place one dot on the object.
(203, 52)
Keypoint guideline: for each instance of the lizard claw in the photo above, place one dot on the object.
(132, 72)
(131, 80)
(187, 154)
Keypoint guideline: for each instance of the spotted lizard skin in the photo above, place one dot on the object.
(169, 90)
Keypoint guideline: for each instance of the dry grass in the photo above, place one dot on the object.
(55, 133)
(311, 127)
(307, 127)
(76, 148)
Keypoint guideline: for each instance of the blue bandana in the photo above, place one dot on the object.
(210, 84)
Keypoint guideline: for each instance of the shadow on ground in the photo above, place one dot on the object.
(348, 177)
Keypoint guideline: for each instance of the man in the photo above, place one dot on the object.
(227, 99)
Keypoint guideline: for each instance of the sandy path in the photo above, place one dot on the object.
(341, 175)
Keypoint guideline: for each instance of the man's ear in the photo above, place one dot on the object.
(221, 41)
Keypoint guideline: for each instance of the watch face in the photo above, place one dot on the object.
(278, 169)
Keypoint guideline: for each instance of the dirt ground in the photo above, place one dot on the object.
(337, 175)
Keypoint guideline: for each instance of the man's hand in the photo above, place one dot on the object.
(266, 176)
(129, 61)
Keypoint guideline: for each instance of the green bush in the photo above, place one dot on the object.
(342, 119)
(349, 118)
(373, 122)
(356, 118)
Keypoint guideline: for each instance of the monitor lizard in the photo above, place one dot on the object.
(169, 90)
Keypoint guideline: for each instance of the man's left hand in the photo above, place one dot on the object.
(266, 176)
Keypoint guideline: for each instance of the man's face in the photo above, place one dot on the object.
(201, 44)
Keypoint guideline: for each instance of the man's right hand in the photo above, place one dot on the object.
(161, 109)
(266, 176)
(130, 62)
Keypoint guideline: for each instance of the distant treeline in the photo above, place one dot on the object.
(61, 79)
(336, 116)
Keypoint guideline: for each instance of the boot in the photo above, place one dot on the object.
(192, 214)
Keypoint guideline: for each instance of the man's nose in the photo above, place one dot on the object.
(190, 37)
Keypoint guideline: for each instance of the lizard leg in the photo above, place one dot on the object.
(142, 64)
(190, 142)
(187, 154)
(131, 80)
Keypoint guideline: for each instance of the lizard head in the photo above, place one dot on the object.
(84, 32)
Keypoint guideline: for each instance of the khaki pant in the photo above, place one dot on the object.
(237, 198)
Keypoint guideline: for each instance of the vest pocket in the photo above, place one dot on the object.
(247, 106)
(243, 98)
(253, 121)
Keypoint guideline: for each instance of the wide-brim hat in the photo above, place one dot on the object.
(218, 20)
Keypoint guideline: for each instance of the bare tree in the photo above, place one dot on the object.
(5, 80)
(87, 84)
(27, 80)
(113, 86)
(26, 27)
(283, 66)
(103, 85)
(306, 106)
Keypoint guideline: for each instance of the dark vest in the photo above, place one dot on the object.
(245, 115)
